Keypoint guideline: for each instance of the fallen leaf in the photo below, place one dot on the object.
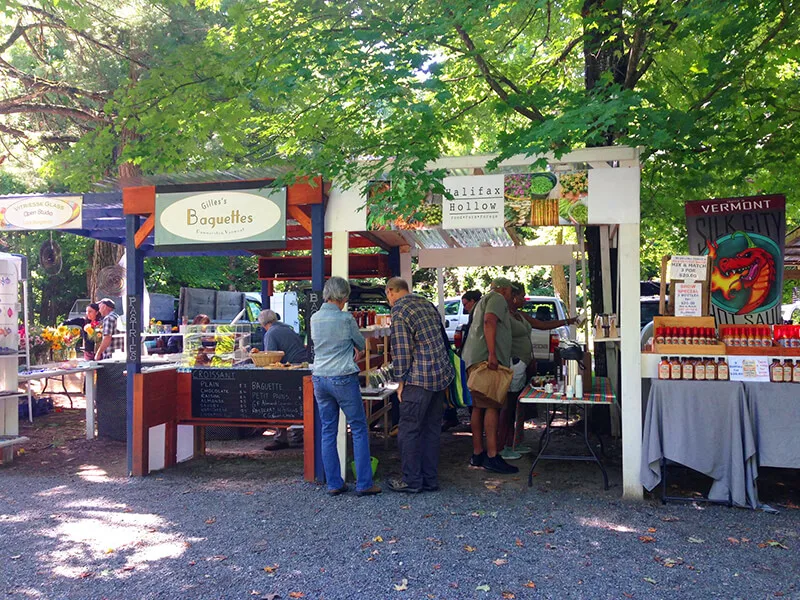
(650, 580)
(670, 519)
(109, 551)
(500, 562)
(392, 540)
(378, 539)
(211, 521)
(647, 539)
(128, 568)
(549, 547)
(296, 594)
(453, 585)
(694, 540)
(530, 584)
(86, 575)
(508, 595)
(405, 506)
(402, 586)
(249, 493)
(537, 532)
(218, 557)
(192, 563)
(774, 544)
(519, 543)
(627, 595)
(366, 545)
(427, 516)
(271, 568)
(548, 530)
(470, 548)
(437, 567)
(733, 540)
(483, 588)
(672, 562)
(16, 557)
(651, 530)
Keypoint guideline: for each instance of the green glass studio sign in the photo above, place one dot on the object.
(245, 218)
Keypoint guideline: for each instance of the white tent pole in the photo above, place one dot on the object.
(630, 376)
(27, 345)
(585, 284)
(440, 289)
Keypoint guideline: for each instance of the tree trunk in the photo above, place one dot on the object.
(105, 254)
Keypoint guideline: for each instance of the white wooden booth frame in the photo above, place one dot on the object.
(614, 193)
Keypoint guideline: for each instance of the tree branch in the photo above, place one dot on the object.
(7, 108)
(756, 52)
(61, 24)
(50, 86)
(530, 113)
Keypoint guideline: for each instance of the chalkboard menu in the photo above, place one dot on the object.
(247, 394)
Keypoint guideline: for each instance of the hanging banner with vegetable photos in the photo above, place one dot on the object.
(745, 239)
(533, 200)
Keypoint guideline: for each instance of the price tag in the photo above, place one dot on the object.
(748, 368)
(688, 268)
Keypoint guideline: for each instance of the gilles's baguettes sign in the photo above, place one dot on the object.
(242, 218)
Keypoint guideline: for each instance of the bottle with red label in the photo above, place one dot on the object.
(700, 369)
(675, 368)
(687, 369)
(664, 368)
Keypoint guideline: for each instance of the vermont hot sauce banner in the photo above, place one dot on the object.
(744, 237)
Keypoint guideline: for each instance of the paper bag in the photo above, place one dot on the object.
(492, 384)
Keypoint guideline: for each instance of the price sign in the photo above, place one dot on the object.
(688, 300)
(688, 268)
(748, 368)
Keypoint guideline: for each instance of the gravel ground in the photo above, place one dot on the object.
(249, 527)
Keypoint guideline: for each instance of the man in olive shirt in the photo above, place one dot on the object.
(489, 340)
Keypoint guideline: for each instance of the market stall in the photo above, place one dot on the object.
(723, 369)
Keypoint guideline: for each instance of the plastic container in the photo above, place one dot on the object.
(373, 461)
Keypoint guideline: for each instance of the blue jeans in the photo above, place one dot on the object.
(331, 394)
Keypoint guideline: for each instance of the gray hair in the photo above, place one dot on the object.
(337, 289)
(265, 317)
(397, 284)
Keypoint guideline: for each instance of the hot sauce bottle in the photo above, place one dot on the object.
(687, 371)
(660, 336)
(766, 337)
(711, 370)
(664, 368)
(735, 340)
(675, 368)
(722, 370)
(751, 337)
(787, 371)
(700, 369)
(776, 371)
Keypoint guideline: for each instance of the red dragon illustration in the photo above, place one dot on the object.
(751, 270)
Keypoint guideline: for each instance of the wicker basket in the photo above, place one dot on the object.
(262, 359)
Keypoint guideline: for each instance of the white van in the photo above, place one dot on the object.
(543, 308)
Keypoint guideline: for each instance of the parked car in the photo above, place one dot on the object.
(545, 342)
(454, 316)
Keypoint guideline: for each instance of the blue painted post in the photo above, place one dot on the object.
(134, 264)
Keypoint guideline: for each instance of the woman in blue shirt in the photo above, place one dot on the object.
(335, 375)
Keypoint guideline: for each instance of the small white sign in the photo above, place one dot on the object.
(478, 202)
(748, 368)
(688, 300)
(688, 268)
(41, 212)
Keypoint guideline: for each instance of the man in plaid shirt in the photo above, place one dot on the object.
(421, 364)
(108, 343)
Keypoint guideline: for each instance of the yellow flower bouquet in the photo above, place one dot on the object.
(61, 340)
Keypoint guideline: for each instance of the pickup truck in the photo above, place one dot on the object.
(543, 308)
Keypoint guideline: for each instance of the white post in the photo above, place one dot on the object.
(439, 289)
(405, 265)
(340, 266)
(573, 297)
(631, 382)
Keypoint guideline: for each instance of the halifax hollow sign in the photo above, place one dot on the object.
(242, 219)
